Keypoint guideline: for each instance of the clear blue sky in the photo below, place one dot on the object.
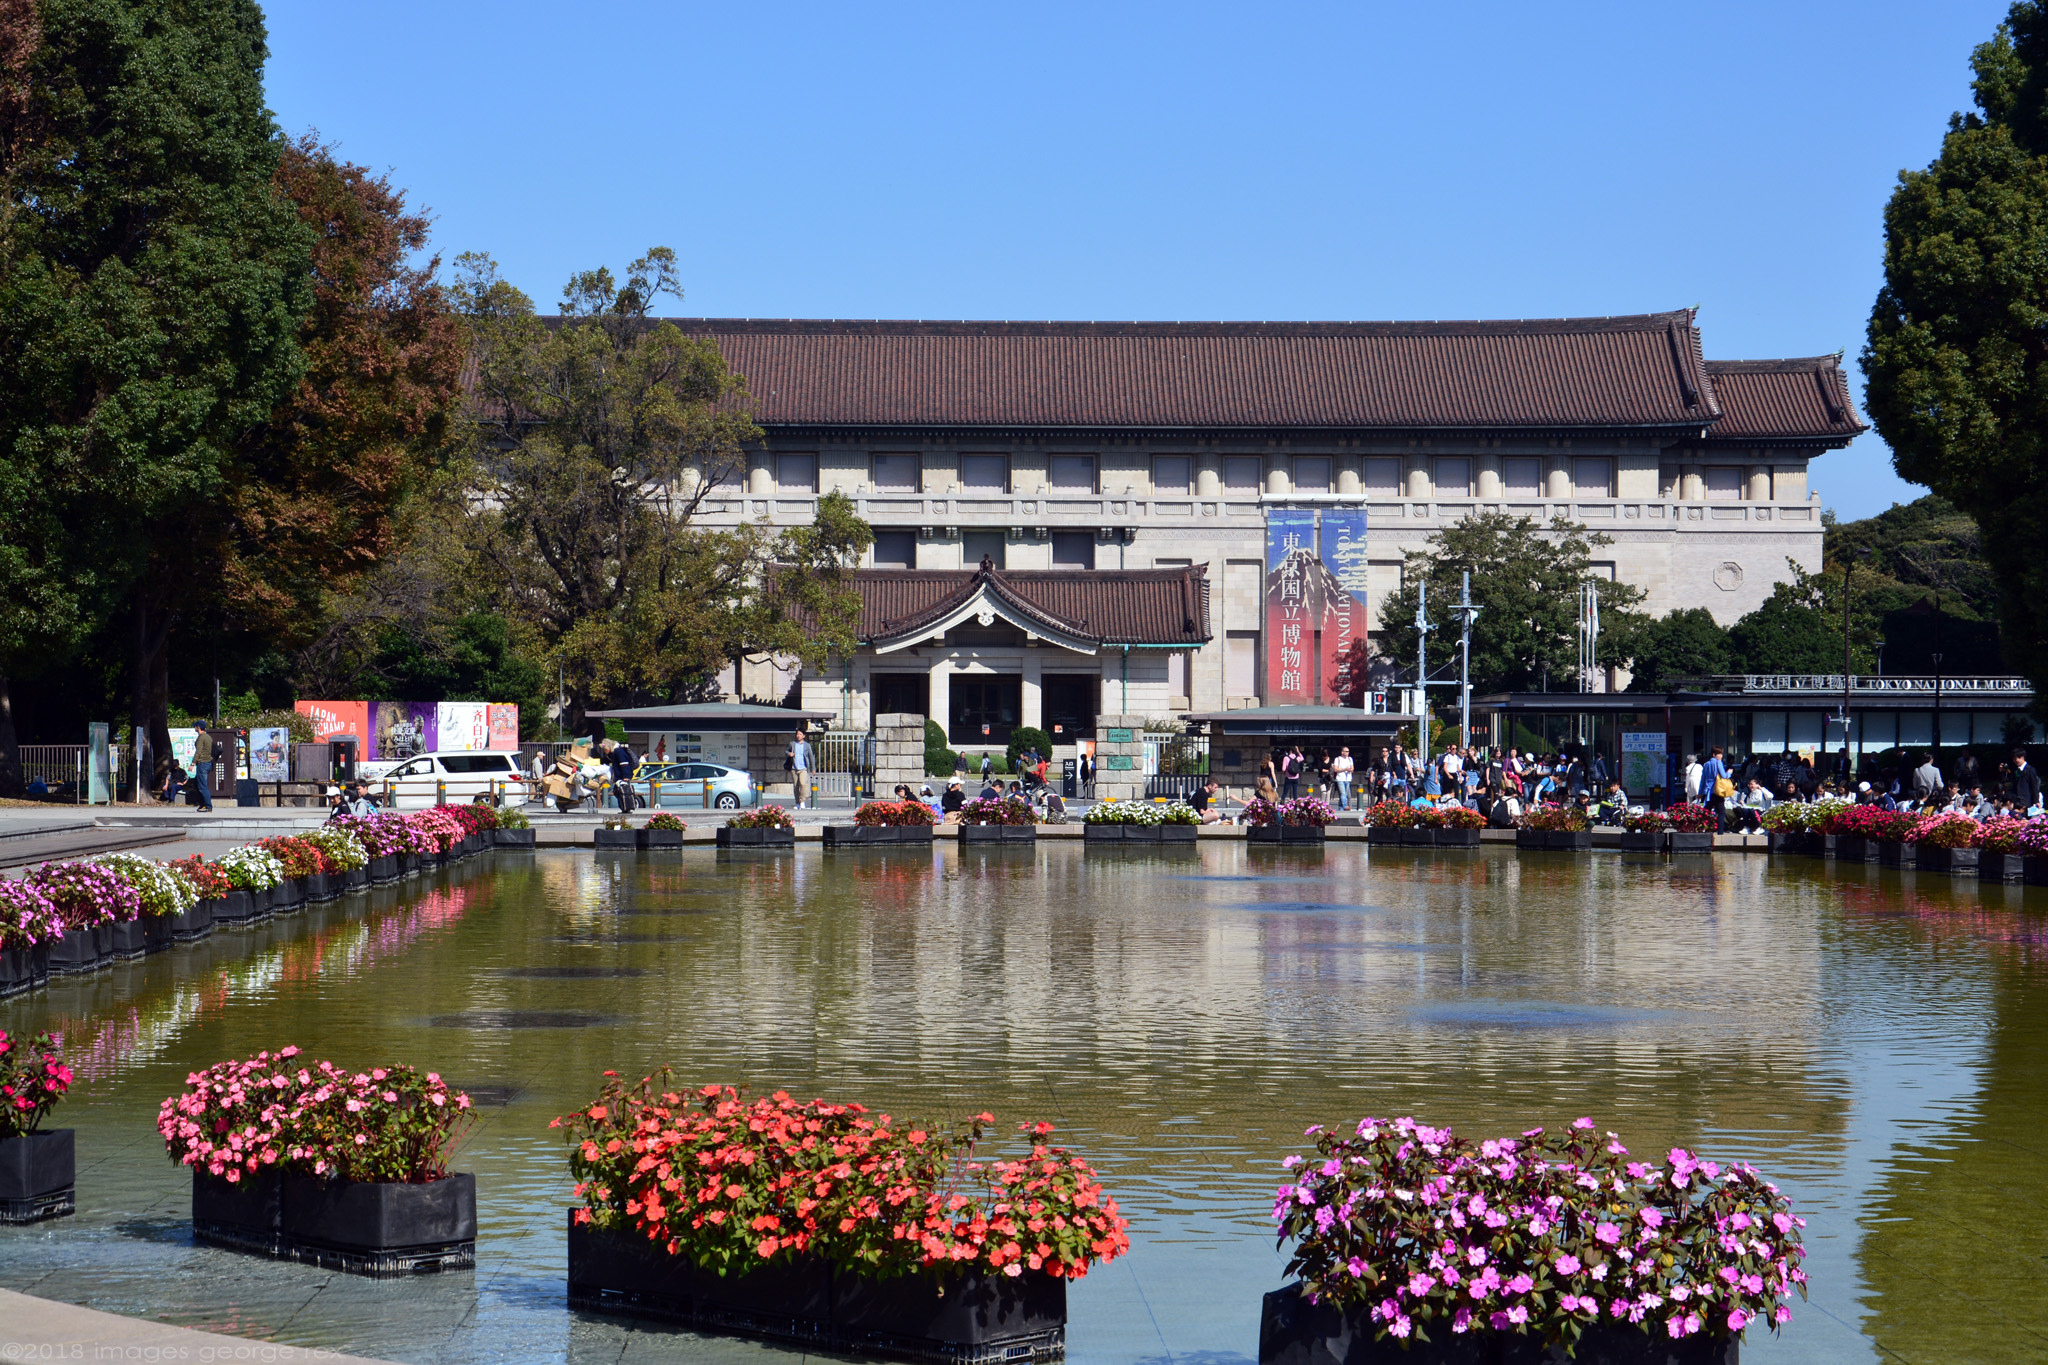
(1169, 161)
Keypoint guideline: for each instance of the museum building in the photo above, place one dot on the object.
(1106, 518)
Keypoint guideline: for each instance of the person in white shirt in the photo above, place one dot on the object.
(1692, 777)
(1341, 769)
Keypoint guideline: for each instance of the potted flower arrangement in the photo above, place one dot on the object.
(514, 829)
(38, 1169)
(1390, 822)
(308, 1161)
(1450, 826)
(615, 831)
(826, 1226)
(210, 888)
(1692, 828)
(1140, 822)
(1859, 830)
(29, 923)
(663, 829)
(90, 898)
(2031, 843)
(255, 873)
(386, 837)
(884, 822)
(761, 827)
(302, 863)
(1645, 831)
(345, 855)
(1788, 826)
(1946, 842)
(1554, 827)
(1999, 856)
(1298, 820)
(998, 820)
(441, 829)
(165, 894)
(1523, 1248)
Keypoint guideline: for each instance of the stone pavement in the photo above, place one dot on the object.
(42, 1329)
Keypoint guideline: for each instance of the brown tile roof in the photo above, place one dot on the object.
(1781, 400)
(1562, 373)
(1105, 606)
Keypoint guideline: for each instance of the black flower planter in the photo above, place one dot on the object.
(354, 879)
(615, 838)
(1284, 834)
(289, 895)
(1775, 842)
(998, 834)
(660, 838)
(1642, 841)
(1850, 849)
(128, 939)
(1957, 862)
(515, 838)
(960, 1319)
(1137, 834)
(1293, 1331)
(103, 941)
(37, 1176)
(1454, 838)
(242, 1214)
(1555, 840)
(1823, 846)
(1385, 836)
(864, 836)
(237, 907)
(757, 838)
(363, 1228)
(322, 886)
(1417, 837)
(195, 923)
(159, 932)
(76, 953)
(385, 869)
(23, 968)
(1692, 841)
(1892, 853)
(262, 905)
(2008, 868)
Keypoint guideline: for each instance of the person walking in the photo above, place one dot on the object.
(620, 760)
(1290, 773)
(800, 765)
(202, 769)
(1692, 778)
(1341, 769)
(1716, 786)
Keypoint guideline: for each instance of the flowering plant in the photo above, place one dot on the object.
(1945, 829)
(1870, 822)
(1391, 815)
(207, 880)
(1450, 817)
(342, 848)
(2032, 839)
(894, 813)
(1690, 817)
(32, 1079)
(662, 819)
(1144, 813)
(298, 857)
(1535, 1235)
(1646, 822)
(230, 1117)
(1306, 812)
(438, 828)
(1257, 811)
(765, 817)
(732, 1183)
(1803, 817)
(87, 893)
(251, 868)
(1561, 819)
(383, 835)
(163, 890)
(28, 916)
(2000, 834)
(997, 810)
(483, 816)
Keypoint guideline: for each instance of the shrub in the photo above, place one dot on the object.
(511, 817)
(1948, 829)
(33, 1078)
(1027, 737)
(164, 890)
(730, 1183)
(1646, 822)
(664, 820)
(997, 810)
(1689, 817)
(1391, 815)
(1559, 819)
(207, 879)
(86, 894)
(764, 817)
(1534, 1235)
(894, 813)
(938, 758)
(28, 916)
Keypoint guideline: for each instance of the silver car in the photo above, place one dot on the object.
(694, 785)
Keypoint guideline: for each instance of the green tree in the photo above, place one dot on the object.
(1798, 629)
(1525, 579)
(1686, 643)
(603, 434)
(1957, 352)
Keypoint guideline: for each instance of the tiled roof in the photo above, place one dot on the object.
(1107, 606)
(1636, 371)
(1776, 400)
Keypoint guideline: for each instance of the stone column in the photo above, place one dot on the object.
(899, 752)
(1278, 468)
(1692, 486)
(760, 472)
(1559, 483)
(1119, 757)
(1347, 475)
(942, 696)
(1208, 475)
(1031, 710)
(1489, 476)
(1759, 483)
(1417, 479)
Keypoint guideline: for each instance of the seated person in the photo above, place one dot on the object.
(1746, 811)
(954, 798)
(1611, 806)
(990, 790)
(1203, 800)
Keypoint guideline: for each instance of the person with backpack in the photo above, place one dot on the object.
(1717, 785)
(1290, 773)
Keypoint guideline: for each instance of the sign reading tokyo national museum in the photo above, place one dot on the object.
(1315, 605)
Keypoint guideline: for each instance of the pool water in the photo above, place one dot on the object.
(1872, 1039)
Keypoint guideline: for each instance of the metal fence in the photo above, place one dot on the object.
(62, 767)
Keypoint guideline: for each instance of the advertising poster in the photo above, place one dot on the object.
(400, 729)
(462, 725)
(270, 757)
(505, 726)
(1342, 548)
(1291, 660)
(331, 718)
(183, 740)
(1642, 761)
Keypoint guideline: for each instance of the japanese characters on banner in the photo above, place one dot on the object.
(462, 725)
(338, 718)
(1315, 605)
(400, 729)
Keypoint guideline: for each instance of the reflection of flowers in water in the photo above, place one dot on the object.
(134, 1033)
(1960, 918)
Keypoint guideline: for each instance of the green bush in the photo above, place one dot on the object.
(1028, 737)
(938, 759)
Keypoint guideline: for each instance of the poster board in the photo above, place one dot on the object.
(183, 740)
(1642, 761)
(400, 729)
(270, 754)
(504, 725)
(462, 725)
(337, 718)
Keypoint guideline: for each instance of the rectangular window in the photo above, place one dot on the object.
(908, 694)
(1593, 478)
(976, 546)
(1311, 473)
(1071, 473)
(1241, 474)
(985, 473)
(895, 549)
(1241, 664)
(1453, 477)
(796, 473)
(1383, 476)
(1170, 473)
(896, 473)
(985, 708)
(1724, 483)
(1176, 674)
(1068, 704)
(1523, 477)
(1073, 549)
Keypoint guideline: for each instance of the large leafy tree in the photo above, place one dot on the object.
(151, 286)
(604, 431)
(1525, 579)
(1686, 643)
(1957, 356)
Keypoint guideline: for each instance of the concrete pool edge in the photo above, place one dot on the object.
(34, 1324)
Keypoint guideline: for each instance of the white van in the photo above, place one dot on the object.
(468, 775)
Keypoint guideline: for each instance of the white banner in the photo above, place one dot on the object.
(463, 725)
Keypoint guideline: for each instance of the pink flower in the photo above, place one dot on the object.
(1567, 1264)
(1607, 1234)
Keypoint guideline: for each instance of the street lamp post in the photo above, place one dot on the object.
(1848, 572)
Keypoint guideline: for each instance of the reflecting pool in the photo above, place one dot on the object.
(1872, 1039)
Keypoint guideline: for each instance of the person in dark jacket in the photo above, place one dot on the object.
(2026, 782)
(621, 761)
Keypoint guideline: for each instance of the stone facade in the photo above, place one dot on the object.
(1119, 758)
(899, 752)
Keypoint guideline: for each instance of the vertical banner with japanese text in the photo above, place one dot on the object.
(1291, 660)
(1341, 544)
